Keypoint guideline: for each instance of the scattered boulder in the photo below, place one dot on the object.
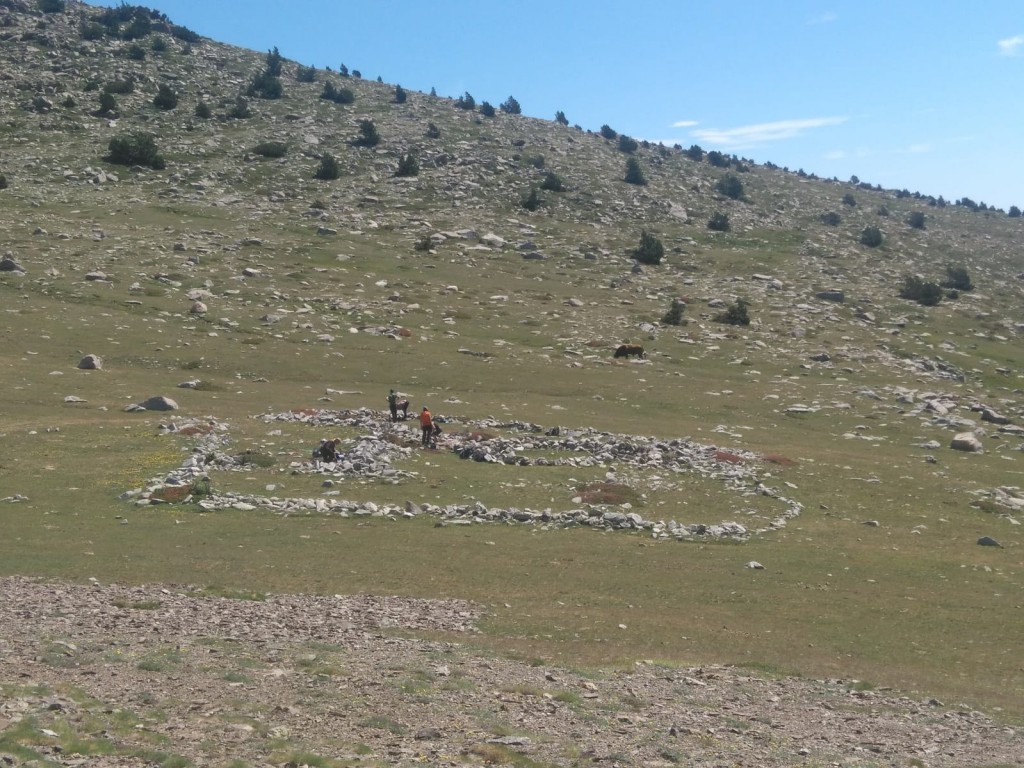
(988, 541)
(837, 296)
(8, 264)
(159, 403)
(198, 308)
(91, 363)
(966, 441)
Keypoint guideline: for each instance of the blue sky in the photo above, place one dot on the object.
(903, 93)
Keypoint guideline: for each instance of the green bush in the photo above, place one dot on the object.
(465, 101)
(184, 34)
(923, 292)
(871, 237)
(165, 98)
(337, 95)
(203, 111)
(718, 160)
(368, 136)
(730, 186)
(51, 6)
(916, 220)
(958, 279)
(511, 106)
(3, 181)
(136, 52)
(271, 149)
(135, 149)
(634, 173)
(108, 105)
(695, 152)
(650, 250)
(552, 183)
(408, 166)
(849, 200)
(627, 144)
(719, 222)
(328, 170)
(674, 315)
(532, 201)
(560, 118)
(1014, 212)
(305, 74)
(609, 133)
(400, 95)
(265, 86)
(831, 219)
(736, 314)
(433, 132)
(486, 109)
(92, 31)
(159, 44)
(241, 110)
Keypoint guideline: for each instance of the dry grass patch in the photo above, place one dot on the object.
(607, 493)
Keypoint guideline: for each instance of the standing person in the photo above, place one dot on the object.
(426, 425)
(393, 404)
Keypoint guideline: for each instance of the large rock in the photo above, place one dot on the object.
(966, 441)
(8, 264)
(91, 363)
(159, 403)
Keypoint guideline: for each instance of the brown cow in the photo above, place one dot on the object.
(628, 350)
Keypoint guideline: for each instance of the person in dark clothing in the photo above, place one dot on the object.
(393, 404)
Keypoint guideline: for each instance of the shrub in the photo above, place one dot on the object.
(730, 186)
(203, 111)
(274, 62)
(958, 279)
(184, 34)
(532, 201)
(3, 181)
(916, 220)
(240, 111)
(265, 86)
(1014, 212)
(634, 173)
(328, 170)
(511, 106)
(560, 118)
(271, 149)
(400, 95)
(135, 149)
(627, 144)
(537, 161)
(650, 250)
(695, 152)
(337, 95)
(674, 315)
(408, 166)
(831, 219)
(368, 136)
(159, 45)
(108, 104)
(914, 288)
(343, 70)
(165, 98)
(305, 74)
(486, 109)
(433, 132)
(92, 31)
(849, 199)
(608, 133)
(719, 222)
(466, 101)
(718, 160)
(136, 52)
(51, 6)
(552, 183)
(871, 237)
(883, 211)
(736, 314)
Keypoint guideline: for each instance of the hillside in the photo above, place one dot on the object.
(840, 475)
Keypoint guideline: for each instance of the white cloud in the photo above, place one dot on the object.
(684, 123)
(835, 154)
(1009, 46)
(754, 135)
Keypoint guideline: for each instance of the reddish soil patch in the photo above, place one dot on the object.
(172, 494)
(606, 493)
(728, 458)
(781, 461)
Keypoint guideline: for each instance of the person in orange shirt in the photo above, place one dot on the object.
(426, 425)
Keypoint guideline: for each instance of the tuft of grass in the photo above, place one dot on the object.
(384, 723)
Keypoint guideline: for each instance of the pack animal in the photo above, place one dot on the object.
(630, 350)
(403, 408)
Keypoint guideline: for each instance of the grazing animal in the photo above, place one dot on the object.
(403, 406)
(628, 350)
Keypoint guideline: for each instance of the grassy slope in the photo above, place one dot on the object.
(922, 608)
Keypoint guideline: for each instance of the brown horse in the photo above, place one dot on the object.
(629, 350)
